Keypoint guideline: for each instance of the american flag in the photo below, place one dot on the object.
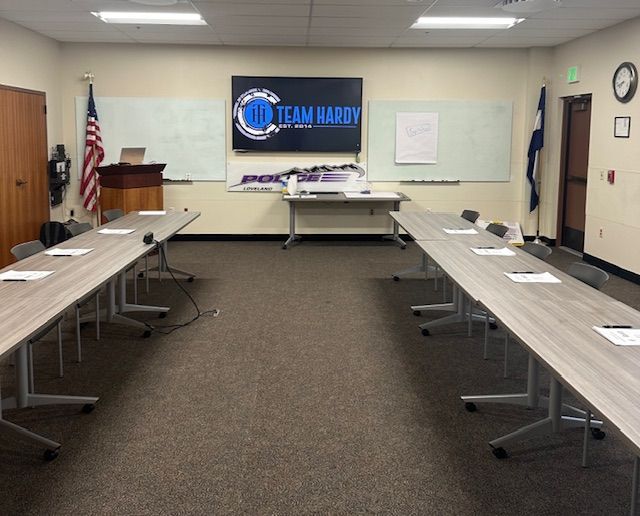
(93, 156)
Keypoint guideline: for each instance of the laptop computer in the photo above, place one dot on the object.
(132, 155)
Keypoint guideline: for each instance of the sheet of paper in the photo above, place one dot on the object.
(67, 252)
(416, 137)
(460, 231)
(532, 277)
(24, 275)
(107, 231)
(153, 212)
(620, 336)
(381, 195)
(491, 251)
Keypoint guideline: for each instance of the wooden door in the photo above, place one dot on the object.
(24, 183)
(573, 188)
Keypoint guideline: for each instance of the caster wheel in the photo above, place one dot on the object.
(162, 315)
(471, 407)
(146, 334)
(83, 325)
(417, 313)
(426, 332)
(49, 455)
(493, 326)
(284, 247)
(500, 453)
(598, 434)
(396, 278)
(87, 408)
(190, 280)
(141, 275)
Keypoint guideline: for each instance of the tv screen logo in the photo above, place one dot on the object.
(297, 114)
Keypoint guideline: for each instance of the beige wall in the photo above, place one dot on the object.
(31, 61)
(198, 71)
(614, 208)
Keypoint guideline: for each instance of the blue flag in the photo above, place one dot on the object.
(537, 142)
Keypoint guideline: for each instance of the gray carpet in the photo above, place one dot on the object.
(312, 392)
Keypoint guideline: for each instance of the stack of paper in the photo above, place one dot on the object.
(492, 251)
(67, 252)
(152, 212)
(377, 195)
(116, 231)
(620, 335)
(460, 231)
(532, 277)
(24, 275)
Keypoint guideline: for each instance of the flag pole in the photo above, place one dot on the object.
(89, 76)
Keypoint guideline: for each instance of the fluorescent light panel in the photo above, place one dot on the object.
(151, 18)
(432, 22)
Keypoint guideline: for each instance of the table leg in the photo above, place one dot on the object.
(292, 226)
(553, 423)
(396, 229)
(634, 486)
(162, 270)
(24, 398)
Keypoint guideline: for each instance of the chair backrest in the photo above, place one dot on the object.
(589, 274)
(79, 228)
(497, 229)
(26, 249)
(113, 214)
(537, 250)
(470, 215)
(52, 233)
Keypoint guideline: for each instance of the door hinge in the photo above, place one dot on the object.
(45, 109)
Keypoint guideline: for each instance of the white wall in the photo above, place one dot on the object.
(198, 71)
(614, 208)
(31, 61)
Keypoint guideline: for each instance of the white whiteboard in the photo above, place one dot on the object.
(186, 134)
(474, 141)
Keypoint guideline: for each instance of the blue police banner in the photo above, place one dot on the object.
(297, 114)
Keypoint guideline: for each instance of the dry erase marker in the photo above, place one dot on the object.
(621, 326)
(523, 272)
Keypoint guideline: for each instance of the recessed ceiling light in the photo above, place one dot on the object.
(430, 22)
(151, 18)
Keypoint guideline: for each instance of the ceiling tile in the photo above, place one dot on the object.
(258, 21)
(333, 41)
(90, 37)
(248, 39)
(365, 11)
(240, 9)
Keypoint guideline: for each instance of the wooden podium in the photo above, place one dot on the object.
(131, 187)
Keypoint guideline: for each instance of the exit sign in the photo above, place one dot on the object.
(572, 74)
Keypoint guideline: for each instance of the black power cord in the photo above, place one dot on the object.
(173, 327)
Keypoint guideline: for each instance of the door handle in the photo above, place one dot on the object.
(20, 182)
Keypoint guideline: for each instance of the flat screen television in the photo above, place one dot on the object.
(313, 114)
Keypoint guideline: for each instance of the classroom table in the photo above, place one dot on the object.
(28, 306)
(332, 198)
(553, 321)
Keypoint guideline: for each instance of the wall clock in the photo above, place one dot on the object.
(625, 82)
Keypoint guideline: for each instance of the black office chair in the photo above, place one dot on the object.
(20, 252)
(497, 229)
(75, 230)
(79, 228)
(113, 214)
(470, 215)
(26, 249)
(589, 274)
(537, 250)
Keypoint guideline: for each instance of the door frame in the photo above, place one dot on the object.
(566, 112)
